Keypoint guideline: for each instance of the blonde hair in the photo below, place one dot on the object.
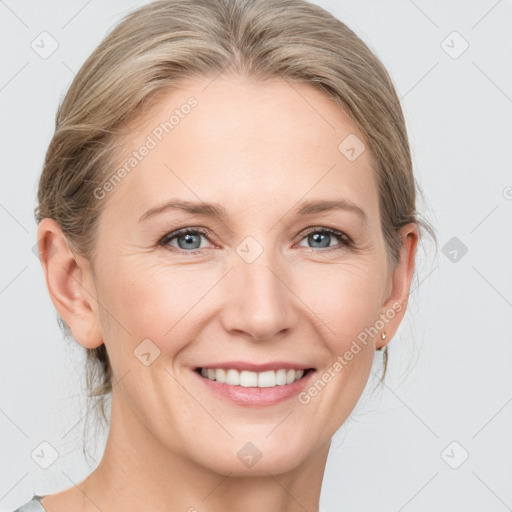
(161, 43)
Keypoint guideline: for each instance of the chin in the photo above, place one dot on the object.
(255, 458)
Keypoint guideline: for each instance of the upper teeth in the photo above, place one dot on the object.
(252, 379)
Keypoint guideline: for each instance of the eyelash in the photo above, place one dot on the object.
(346, 241)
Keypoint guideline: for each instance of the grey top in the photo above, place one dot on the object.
(34, 505)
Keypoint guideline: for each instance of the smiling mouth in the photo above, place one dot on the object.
(244, 378)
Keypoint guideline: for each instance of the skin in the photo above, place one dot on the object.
(259, 149)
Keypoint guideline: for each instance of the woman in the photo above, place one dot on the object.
(227, 225)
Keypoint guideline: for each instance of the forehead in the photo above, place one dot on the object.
(243, 143)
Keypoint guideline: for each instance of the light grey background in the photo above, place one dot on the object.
(450, 373)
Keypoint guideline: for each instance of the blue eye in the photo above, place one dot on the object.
(189, 240)
(323, 236)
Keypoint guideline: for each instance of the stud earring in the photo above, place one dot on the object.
(383, 335)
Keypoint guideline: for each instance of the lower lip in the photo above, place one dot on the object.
(253, 396)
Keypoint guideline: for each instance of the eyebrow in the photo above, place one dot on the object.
(217, 210)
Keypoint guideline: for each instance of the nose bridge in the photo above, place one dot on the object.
(259, 299)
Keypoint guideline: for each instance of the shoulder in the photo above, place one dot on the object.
(34, 505)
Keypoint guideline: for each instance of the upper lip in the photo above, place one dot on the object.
(252, 367)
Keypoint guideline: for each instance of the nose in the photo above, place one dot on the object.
(259, 302)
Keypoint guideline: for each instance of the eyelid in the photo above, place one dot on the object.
(345, 239)
(336, 232)
(189, 229)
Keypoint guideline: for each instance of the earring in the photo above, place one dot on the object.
(383, 335)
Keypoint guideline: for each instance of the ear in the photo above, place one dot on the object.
(70, 283)
(395, 305)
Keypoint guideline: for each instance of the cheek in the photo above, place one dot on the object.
(348, 305)
(156, 302)
(346, 298)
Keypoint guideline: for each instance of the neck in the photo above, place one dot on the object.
(137, 473)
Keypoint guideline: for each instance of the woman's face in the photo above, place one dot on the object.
(262, 283)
